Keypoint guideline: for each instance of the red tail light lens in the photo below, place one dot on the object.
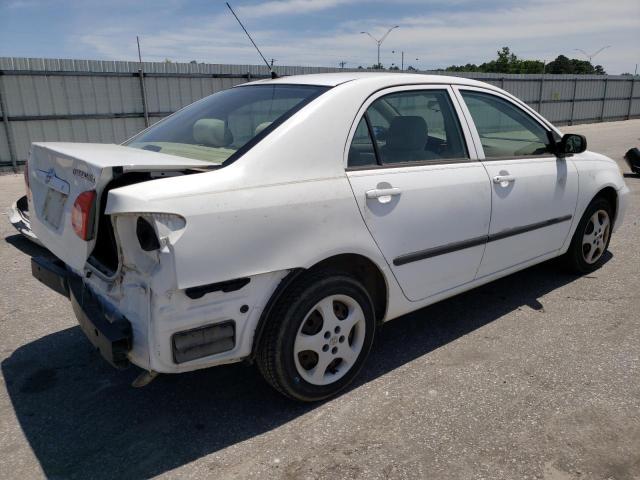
(83, 214)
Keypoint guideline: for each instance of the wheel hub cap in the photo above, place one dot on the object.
(596, 236)
(329, 340)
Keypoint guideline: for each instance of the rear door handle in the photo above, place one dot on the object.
(504, 179)
(383, 194)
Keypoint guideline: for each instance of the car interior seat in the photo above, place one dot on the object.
(212, 132)
(261, 127)
(406, 140)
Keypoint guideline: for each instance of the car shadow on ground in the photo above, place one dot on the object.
(83, 419)
(26, 246)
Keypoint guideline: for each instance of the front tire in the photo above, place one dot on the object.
(317, 337)
(591, 239)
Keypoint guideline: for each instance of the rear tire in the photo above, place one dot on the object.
(591, 239)
(317, 337)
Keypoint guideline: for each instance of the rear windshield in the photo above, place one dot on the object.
(221, 127)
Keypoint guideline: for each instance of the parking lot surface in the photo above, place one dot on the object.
(536, 375)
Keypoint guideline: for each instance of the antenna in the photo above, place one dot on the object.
(270, 67)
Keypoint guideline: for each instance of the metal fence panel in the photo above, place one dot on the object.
(101, 100)
(615, 109)
(4, 146)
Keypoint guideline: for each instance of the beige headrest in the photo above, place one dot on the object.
(261, 127)
(212, 132)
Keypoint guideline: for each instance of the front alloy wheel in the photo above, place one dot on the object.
(596, 236)
(591, 238)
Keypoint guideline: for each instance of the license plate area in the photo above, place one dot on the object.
(53, 207)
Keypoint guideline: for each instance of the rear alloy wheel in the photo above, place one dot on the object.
(591, 239)
(317, 336)
(329, 340)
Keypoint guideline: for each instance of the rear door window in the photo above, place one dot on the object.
(416, 126)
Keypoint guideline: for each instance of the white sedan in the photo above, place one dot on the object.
(283, 221)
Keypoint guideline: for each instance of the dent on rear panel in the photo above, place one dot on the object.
(171, 311)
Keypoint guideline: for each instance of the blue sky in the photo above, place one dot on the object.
(323, 32)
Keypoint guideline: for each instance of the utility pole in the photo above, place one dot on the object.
(342, 64)
(379, 41)
(143, 90)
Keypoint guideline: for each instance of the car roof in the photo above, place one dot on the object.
(387, 78)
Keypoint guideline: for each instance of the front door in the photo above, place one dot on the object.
(425, 199)
(534, 193)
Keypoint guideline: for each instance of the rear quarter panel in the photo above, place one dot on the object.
(250, 231)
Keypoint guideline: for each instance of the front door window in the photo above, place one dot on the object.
(505, 130)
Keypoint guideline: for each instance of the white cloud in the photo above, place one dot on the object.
(536, 29)
(287, 7)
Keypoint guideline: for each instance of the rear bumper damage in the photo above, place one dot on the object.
(108, 330)
(19, 218)
(163, 331)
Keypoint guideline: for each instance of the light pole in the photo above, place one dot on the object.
(591, 55)
(379, 42)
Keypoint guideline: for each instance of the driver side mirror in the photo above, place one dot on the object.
(571, 143)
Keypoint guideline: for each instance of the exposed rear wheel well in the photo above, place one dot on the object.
(363, 270)
(356, 266)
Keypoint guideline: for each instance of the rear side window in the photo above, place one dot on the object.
(362, 152)
(414, 126)
(504, 129)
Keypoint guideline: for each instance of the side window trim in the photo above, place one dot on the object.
(474, 131)
(467, 132)
(376, 149)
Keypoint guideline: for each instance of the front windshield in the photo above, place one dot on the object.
(226, 124)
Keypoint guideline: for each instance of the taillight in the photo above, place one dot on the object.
(82, 215)
(26, 178)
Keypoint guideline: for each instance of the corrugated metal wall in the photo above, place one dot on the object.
(102, 101)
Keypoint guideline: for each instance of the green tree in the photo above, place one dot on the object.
(508, 62)
(574, 66)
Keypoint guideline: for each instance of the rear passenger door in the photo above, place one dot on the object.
(423, 194)
(534, 193)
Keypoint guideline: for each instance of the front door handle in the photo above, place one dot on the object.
(383, 194)
(504, 180)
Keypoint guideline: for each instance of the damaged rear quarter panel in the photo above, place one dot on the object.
(146, 292)
(251, 231)
(259, 232)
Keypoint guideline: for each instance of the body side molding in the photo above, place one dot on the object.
(473, 242)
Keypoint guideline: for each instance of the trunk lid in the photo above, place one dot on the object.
(59, 172)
